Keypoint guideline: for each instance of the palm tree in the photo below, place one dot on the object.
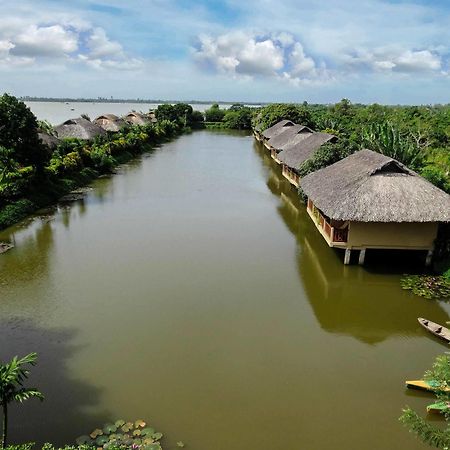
(12, 377)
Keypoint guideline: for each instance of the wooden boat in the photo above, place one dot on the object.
(436, 329)
(438, 407)
(423, 385)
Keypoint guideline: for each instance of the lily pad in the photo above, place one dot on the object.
(139, 423)
(180, 444)
(126, 428)
(147, 441)
(148, 431)
(97, 432)
(157, 436)
(153, 447)
(136, 432)
(119, 423)
(109, 428)
(101, 440)
(83, 440)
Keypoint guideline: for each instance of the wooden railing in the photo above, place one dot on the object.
(334, 234)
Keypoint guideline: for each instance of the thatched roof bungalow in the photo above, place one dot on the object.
(50, 141)
(369, 200)
(293, 156)
(290, 136)
(110, 122)
(79, 128)
(136, 118)
(276, 129)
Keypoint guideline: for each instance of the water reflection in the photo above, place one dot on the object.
(29, 260)
(69, 402)
(367, 302)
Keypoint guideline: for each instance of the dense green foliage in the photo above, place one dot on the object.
(214, 114)
(237, 117)
(18, 133)
(180, 113)
(430, 434)
(12, 377)
(271, 114)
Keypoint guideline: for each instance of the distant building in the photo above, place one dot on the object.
(293, 156)
(136, 118)
(289, 137)
(110, 122)
(79, 128)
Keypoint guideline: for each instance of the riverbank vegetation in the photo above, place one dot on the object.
(33, 175)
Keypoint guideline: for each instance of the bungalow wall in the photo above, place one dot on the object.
(362, 235)
(291, 175)
(405, 235)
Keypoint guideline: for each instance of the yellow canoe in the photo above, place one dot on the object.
(424, 386)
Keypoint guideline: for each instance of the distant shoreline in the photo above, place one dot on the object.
(117, 100)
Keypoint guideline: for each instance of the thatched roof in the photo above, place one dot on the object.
(295, 155)
(289, 136)
(79, 128)
(136, 118)
(110, 122)
(152, 116)
(278, 128)
(49, 140)
(370, 187)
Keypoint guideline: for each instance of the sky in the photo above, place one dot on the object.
(369, 51)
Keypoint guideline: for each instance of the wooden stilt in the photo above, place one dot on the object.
(429, 258)
(362, 256)
(348, 254)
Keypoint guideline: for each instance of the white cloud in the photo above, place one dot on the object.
(51, 41)
(394, 60)
(101, 46)
(72, 40)
(248, 54)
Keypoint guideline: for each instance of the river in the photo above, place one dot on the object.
(192, 290)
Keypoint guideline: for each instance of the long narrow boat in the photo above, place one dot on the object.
(435, 328)
(423, 385)
(439, 407)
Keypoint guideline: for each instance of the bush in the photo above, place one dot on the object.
(214, 114)
(14, 212)
(271, 114)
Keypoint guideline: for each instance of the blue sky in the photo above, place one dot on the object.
(255, 50)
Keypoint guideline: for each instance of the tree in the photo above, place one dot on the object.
(19, 133)
(214, 114)
(271, 114)
(238, 119)
(12, 377)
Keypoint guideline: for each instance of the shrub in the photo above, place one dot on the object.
(14, 212)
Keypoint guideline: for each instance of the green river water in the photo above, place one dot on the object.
(192, 290)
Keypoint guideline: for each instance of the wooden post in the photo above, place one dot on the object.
(348, 254)
(362, 256)
(429, 258)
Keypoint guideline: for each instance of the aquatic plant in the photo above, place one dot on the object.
(121, 434)
(432, 287)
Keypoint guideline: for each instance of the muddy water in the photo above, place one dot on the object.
(192, 290)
